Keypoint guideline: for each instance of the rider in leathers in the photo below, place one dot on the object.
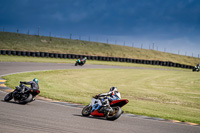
(33, 84)
(114, 95)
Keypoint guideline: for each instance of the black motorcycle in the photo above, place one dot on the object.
(22, 95)
(80, 62)
(196, 68)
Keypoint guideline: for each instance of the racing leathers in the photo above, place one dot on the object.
(112, 95)
(33, 85)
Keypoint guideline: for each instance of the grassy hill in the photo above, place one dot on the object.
(16, 41)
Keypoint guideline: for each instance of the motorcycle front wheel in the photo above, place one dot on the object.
(117, 111)
(86, 110)
(8, 97)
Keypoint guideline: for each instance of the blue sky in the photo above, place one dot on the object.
(173, 25)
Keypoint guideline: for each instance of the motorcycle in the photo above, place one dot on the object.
(80, 62)
(110, 109)
(22, 95)
(196, 68)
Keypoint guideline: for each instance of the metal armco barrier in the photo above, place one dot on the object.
(101, 58)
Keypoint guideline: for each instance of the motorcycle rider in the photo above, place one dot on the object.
(83, 60)
(33, 84)
(114, 95)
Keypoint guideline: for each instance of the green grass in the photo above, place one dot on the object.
(14, 41)
(164, 94)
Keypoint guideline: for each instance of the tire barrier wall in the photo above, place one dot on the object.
(100, 58)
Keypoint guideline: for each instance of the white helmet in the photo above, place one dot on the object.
(113, 89)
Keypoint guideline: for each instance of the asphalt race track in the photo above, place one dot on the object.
(49, 117)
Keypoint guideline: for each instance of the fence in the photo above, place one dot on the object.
(100, 58)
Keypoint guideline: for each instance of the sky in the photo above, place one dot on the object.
(165, 25)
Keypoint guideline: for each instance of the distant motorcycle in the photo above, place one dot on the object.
(95, 108)
(22, 97)
(80, 62)
(196, 68)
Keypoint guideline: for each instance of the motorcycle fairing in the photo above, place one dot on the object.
(95, 107)
(95, 101)
(119, 103)
(96, 113)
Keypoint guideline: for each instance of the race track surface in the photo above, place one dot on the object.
(49, 117)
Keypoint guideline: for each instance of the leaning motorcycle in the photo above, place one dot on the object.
(111, 109)
(22, 97)
(80, 62)
(196, 68)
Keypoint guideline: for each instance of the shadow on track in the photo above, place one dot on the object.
(91, 117)
(13, 102)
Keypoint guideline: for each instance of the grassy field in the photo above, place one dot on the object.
(156, 93)
(14, 41)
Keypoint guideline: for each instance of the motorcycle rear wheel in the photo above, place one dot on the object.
(8, 97)
(117, 111)
(28, 99)
(86, 110)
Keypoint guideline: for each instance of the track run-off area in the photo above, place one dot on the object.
(43, 116)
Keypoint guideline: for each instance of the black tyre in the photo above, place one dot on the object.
(8, 97)
(86, 110)
(117, 111)
(76, 64)
(28, 99)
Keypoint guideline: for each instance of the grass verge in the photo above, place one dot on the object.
(164, 94)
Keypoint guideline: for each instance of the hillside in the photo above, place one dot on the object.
(16, 41)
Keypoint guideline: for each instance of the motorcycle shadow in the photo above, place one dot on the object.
(13, 102)
(91, 117)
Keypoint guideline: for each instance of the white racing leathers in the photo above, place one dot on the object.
(114, 95)
(97, 103)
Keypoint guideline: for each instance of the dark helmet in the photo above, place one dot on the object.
(36, 80)
(113, 89)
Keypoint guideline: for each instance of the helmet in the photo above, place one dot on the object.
(36, 80)
(113, 89)
(85, 57)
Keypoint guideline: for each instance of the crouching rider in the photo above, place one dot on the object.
(34, 85)
(113, 94)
